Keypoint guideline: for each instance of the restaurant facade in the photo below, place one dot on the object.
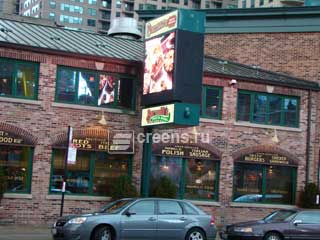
(254, 150)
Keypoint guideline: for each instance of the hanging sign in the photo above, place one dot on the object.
(72, 149)
(158, 115)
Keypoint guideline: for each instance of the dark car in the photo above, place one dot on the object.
(138, 219)
(279, 225)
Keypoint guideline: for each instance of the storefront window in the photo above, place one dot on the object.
(16, 163)
(268, 109)
(18, 79)
(192, 178)
(211, 102)
(264, 184)
(201, 179)
(94, 88)
(92, 173)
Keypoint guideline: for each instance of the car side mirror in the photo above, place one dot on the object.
(129, 213)
(297, 222)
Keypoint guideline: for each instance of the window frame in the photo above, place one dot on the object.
(253, 94)
(182, 186)
(29, 172)
(16, 64)
(204, 101)
(294, 171)
(114, 105)
(93, 157)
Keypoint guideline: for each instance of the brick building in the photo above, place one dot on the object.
(261, 140)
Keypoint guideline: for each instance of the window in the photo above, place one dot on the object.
(244, 3)
(261, 2)
(92, 11)
(268, 109)
(92, 174)
(211, 102)
(94, 88)
(91, 22)
(119, 3)
(92, 2)
(192, 178)
(70, 19)
(51, 16)
(169, 207)
(52, 4)
(18, 79)
(264, 184)
(143, 208)
(252, 3)
(188, 210)
(185, 2)
(16, 162)
(118, 14)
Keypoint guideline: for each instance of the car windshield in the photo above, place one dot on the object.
(280, 216)
(116, 207)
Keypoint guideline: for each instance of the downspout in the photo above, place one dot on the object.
(308, 139)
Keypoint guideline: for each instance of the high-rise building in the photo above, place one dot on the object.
(269, 3)
(96, 15)
(9, 6)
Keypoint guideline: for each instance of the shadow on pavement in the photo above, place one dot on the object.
(24, 232)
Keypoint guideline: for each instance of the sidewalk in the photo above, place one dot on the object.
(25, 232)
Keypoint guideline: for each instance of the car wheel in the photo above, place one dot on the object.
(195, 234)
(103, 233)
(272, 236)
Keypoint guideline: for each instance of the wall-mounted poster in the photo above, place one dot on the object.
(159, 64)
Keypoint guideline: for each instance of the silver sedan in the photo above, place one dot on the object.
(139, 219)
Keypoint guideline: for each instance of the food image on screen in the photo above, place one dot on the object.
(159, 64)
(106, 89)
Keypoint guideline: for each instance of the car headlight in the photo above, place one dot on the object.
(243, 229)
(77, 220)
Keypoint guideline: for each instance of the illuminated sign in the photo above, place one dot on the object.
(159, 64)
(185, 151)
(157, 115)
(161, 25)
(266, 158)
(12, 139)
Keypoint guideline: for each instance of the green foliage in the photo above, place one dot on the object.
(163, 187)
(308, 196)
(122, 188)
(2, 182)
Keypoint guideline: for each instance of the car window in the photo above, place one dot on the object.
(280, 216)
(143, 208)
(169, 207)
(116, 207)
(188, 210)
(309, 217)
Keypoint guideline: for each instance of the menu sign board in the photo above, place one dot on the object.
(266, 158)
(12, 139)
(121, 142)
(185, 151)
(161, 25)
(157, 115)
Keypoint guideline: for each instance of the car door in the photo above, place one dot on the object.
(171, 220)
(306, 225)
(139, 221)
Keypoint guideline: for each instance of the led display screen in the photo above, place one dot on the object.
(106, 89)
(159, 64)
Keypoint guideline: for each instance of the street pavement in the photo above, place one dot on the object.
(24, 232)
(27, 232)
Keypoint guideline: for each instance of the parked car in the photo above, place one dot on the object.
(279, 225)
(252, 198)
(139, 219)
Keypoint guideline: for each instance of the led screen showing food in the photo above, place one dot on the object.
(159, 64)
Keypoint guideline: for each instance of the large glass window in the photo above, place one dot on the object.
(16, 163)
(264, 184)
(268, 109)
(95, 88)
(18, 79)
(211, 102)
(192, 178)
(92, 174)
